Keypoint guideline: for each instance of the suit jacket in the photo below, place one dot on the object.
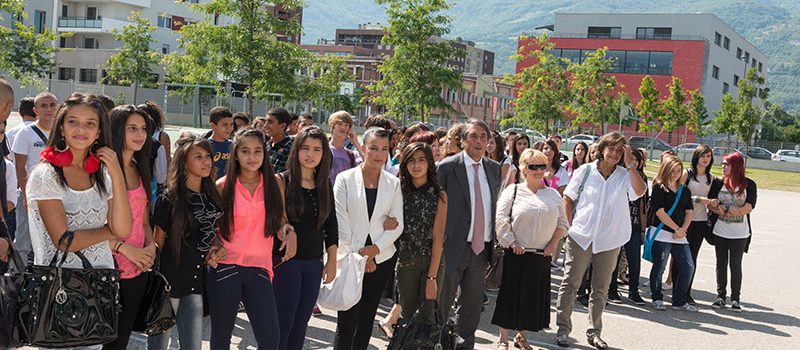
(452, 176)
(353, 217)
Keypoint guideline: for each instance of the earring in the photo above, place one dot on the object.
(59, 146)
(92, 163)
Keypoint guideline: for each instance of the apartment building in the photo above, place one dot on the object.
(700, 49)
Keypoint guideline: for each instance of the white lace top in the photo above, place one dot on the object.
(85, 209)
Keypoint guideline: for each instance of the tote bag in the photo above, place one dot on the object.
(345, 290)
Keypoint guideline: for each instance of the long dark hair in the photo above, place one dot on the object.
(294, 178)
(179, 195)
(514, 154)
(273, 203)
(700, 151)
(104, 139)
(155, 112)
(499, 150)
(556, 162)
(406, 183)
(119, 119)
(582, 159)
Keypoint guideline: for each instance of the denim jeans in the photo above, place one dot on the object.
(189, 320)
(684, 268)
(226, 286)
(296, 289)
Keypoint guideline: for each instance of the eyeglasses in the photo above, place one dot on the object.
(537, 166)
(725, 164)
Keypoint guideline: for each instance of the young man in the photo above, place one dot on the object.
(26, 105)
(341, 124)
(278, 120)
(221, 121)
(29, 142)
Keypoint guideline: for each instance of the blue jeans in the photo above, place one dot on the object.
(684, 268)
(189, 319)
(296, 290)
(226, 286)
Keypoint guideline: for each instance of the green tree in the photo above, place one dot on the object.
(135, 59)
(649, 108)
(676, 112)
(27, 56)
(326, 74)
(698, 122)
(543, 90)
(414, 76)
(244, 51)
(741, 115)
(596, 99)
(726, 115)
(776, 122)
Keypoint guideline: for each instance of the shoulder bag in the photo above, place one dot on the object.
(345, 290)
(10, 285)
(580, 190)
(64, 307)
(494, 273)
(417, 334)
(156, 315)
(649, 239)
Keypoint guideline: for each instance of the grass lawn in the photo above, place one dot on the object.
(766, 179)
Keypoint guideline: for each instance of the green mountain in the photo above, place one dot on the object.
(772, 25)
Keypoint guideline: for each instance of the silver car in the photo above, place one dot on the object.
(786, 155)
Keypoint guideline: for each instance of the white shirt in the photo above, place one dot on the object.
(732, 227)
(486, 195)
(530, 218)
(28, 143)
(602, 218)
(699, 188)
(11, 182)
(11, 134)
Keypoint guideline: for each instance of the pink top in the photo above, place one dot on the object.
(248, 246)
(138, 200)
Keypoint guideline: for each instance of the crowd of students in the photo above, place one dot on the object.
(252, 216)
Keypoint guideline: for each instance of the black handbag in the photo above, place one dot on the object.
(416, 334)
(10, 285)
(157, 317)
(69, 307)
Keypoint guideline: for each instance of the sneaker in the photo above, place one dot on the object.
(719, 304)
(562, 341)
(636, 299)
(666, 286)
(735, 307)
(485, 299)
(316, 311)
(659, 305)
(584, 300)
(613, 297)
(685, 307)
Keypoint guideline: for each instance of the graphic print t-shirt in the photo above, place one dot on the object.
(220, 153)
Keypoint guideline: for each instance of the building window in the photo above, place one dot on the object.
(617, 61)
(164, 49)
(739, 53)
(726, 43)
(604, 32)
(66, 73)
(91, 13)
(90, 43)
(636, 62)
(653, 33)
(572, 55)
(735, 80)
(725, 88)
(88, 75)
(717, 39)
(715, 72)
(165, 22)
(660, 63)
(39, 21)
(746, 57)
(62, 42)
(64, 11)
(753, 65)
(760, 67)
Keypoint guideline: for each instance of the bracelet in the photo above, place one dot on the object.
(429, 278)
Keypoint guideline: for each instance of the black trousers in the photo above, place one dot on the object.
(695, 235)
(131, 292)
(354, 326)
(729, 251)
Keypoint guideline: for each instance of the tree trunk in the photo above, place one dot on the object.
(136, 91)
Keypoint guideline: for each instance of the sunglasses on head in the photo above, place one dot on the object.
(537, 166)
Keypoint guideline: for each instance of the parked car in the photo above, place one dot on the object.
(532, 134)
(756, 152)
(786, 155)
(721, 151)
(687, 147)
(588, 139)
(644, 142)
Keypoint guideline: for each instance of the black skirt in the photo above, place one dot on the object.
(523, 302)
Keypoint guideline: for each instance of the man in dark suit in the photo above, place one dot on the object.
(472, 182)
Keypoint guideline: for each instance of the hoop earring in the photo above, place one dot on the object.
(63, 148)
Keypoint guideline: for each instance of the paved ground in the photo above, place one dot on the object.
(769, 295)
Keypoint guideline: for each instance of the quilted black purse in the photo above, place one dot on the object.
(67, 307)
(158, 315)
(416, 334)
(10, 285)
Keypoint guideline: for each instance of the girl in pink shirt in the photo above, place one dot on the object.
(130, 129)
(253, 215)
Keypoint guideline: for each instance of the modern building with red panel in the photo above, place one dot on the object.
(700, 49)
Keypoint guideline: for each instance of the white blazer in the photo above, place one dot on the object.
(353, 218)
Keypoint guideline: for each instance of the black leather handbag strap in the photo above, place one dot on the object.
(69, 236)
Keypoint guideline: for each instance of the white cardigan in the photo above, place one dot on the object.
(353, 218)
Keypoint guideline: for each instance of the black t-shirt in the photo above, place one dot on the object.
(185, 269)
(661, 198)
(310, 239)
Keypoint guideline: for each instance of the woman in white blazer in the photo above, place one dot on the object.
(365, 197)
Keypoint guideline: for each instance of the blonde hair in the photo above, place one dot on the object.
(529, 156)
(340, 117)
(664, 171)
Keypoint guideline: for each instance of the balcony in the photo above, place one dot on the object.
(137, 3)
(627, 36)
(90, 25)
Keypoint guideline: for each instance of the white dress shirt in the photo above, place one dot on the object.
(486, 195)
(602, 218)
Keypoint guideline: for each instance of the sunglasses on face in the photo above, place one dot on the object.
(537, 166)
